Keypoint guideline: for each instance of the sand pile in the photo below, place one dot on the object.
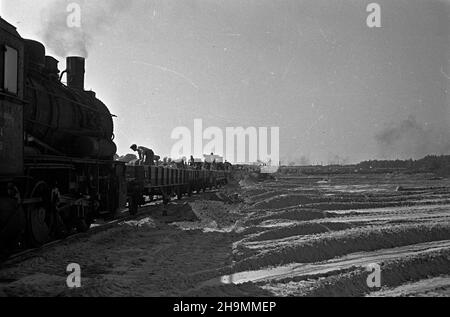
(330, 245)
(253, 190)
(229, 198)
(302, 229)
(40, 284)
(371, 205)
(213, 216)
(283, 201)
(394, 273)
(253, 199)
(145, 222)
(295, 214)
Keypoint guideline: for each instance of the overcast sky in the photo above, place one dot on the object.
(337, 89)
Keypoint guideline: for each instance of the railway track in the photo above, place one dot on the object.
(123, 215)
(26, 254)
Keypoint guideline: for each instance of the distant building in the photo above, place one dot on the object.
(212, 158)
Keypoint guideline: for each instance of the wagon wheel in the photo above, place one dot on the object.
(134, 199)
(133, 205)
(83, 224)
(179, 193)
(166, 195)
(39, 215)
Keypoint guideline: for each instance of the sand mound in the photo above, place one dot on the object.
(300, 230)
(372, 205)
(328, 246)
(254, 191)
(213, 216)
(295, 214)
(40, 285)
(394, 273)
(265, 196)
(283, 201)
(145, 222)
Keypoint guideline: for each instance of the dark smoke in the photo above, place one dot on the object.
(410, 139)
(96, 16)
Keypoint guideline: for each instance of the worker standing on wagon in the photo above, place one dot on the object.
(146, 155)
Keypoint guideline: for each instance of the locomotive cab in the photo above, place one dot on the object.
(12, 218)
(11, 100)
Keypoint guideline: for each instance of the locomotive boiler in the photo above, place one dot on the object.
(63, 119)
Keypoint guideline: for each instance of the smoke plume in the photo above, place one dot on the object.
(410, 139)
(96, 16)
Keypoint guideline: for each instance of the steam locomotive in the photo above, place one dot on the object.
(57, 172)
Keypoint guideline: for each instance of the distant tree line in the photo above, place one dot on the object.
(438, 164)
(430, 163)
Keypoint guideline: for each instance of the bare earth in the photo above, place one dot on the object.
(297, 236)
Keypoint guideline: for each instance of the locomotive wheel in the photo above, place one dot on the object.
(82, 225)
(61, 231)
(89, 221)
(179, 193)
(39, 216)
(166, 199)
(12, 225)
(133, 205)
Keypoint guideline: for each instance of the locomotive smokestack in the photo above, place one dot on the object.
(75, 72)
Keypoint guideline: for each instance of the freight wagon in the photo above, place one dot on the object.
(166, 182)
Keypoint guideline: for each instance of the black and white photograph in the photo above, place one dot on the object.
(224, 155)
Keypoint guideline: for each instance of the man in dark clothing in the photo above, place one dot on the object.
(146, 155)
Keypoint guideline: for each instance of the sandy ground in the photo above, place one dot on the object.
(299, 236)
